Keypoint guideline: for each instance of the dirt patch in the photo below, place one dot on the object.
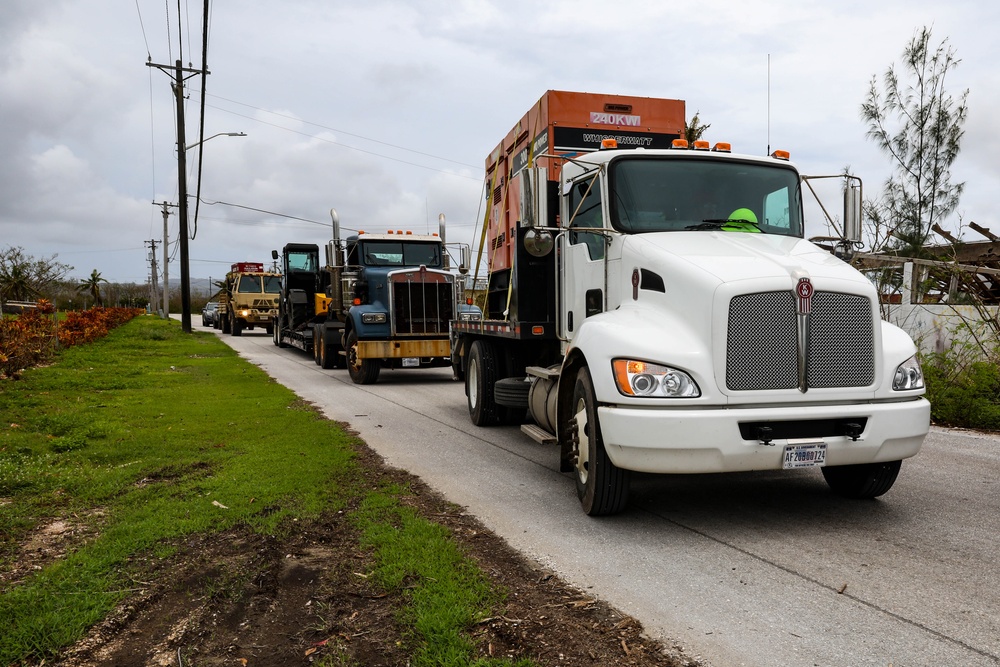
(242, 599)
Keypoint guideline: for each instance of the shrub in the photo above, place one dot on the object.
(33, 337)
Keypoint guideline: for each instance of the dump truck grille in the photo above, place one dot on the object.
(762, 347)
(421, 308)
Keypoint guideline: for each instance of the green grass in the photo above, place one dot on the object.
(150, 435)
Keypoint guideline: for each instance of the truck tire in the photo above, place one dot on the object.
(481, 377)
(862, 481)
(225, 324)
(362, 371)
(601, 485)
(330, 356)
(317, 347)
(512, 393)
(236, 327)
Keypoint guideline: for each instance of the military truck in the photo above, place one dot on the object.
(249, 299)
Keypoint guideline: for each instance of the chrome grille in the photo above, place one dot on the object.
(422, 307)
(762, 348)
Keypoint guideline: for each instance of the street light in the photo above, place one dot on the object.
(220, 134)
(182, 213)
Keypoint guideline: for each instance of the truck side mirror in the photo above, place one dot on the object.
(852, 209)
(274, 255)
(466, 260)
(534, 196)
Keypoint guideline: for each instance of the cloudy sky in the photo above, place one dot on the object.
(386, 109)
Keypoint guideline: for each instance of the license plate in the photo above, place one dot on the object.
(411, 362)
(804, 455)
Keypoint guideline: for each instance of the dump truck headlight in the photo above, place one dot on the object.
(908, 376)
(373, 318)
(641, 378)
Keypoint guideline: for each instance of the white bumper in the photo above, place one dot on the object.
(708, 440)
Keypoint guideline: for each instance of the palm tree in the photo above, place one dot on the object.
(93, 285)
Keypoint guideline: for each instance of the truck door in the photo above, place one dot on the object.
(582, 253)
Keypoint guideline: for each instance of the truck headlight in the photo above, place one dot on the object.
(908, 376)
(373, 318)
(244, 313)
(641, 378)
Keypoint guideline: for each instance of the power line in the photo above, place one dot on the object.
(333, 129)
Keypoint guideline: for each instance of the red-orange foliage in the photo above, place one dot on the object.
(32, 338)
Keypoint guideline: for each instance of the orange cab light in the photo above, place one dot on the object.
(361, 232)
(679, 143)
(537, 331)
(357, 301)
(399, 231)
(609, 143)
(409, 233)
(701, 145)
(722, 147)
(468, 301)
(781, 155)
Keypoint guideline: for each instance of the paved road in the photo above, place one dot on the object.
(753, 569)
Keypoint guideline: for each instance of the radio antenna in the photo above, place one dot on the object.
(769, 104)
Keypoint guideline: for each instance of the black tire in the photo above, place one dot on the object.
(317, 347)
(276, 335)
(269, 330)
(601, 485)
(236, 327)
(862, 481)
(512, 393)
(225, 325)
(482, 373)
(362, 371)
(329, 355)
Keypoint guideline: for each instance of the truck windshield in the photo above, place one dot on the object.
(301, 261)
(272, 284)
(249, 285)
(394, 253)
(655, 195)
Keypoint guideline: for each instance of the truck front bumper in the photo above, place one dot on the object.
(402, 349)
(709, 440)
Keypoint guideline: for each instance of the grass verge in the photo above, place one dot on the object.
(150, 435)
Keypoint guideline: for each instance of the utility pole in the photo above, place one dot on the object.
(152, 272)
(166, 259)
(182, 214)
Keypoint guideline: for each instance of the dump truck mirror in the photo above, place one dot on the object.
(852, 209)
(534, 196)
(274, 255)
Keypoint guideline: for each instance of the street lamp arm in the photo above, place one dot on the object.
(220, 134)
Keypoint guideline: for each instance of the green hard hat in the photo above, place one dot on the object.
(744, 215)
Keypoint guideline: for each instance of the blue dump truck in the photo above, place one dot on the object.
(380, 301)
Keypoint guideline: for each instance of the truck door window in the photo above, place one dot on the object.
(249, 285)
(585, 211)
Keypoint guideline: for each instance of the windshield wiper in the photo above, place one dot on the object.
(719, 223)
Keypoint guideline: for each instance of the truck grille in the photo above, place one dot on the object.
(422, 307)
(762, 348)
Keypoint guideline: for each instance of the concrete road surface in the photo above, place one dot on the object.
(753, 569)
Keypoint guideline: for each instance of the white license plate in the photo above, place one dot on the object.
(411, 362)
(804, 455)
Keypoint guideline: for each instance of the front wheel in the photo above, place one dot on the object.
(601, 485)
(362, 371)
(236, 327)
(862, 481)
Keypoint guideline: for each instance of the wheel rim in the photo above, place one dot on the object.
(473, 377)
(352, 357)
(582, 442)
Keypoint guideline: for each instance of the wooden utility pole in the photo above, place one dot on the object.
(178, 86)
(166, 259)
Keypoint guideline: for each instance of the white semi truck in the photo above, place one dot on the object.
(655, 306)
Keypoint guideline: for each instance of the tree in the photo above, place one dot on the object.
(93, 285)
(23, 277)
(693, 129)
(919, 125)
